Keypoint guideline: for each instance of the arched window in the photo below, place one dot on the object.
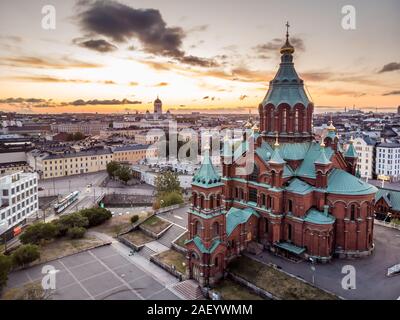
(352, 212)
(194, 201)
(216, 261)
(289, 232)
(269, 201)
(236, 193)
(263, 200)
(211, 202)
(215, 229)
(296, 120)
(290, 205)
(197, 228)
(202, 202)
(218, 200)
(266, 225)
(254, 175)
(284, 120)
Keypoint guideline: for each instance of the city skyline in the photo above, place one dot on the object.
(109, 56)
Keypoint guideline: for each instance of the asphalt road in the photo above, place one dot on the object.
(371, 280)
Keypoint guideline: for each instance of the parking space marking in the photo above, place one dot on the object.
(116, 275)
(80, 284)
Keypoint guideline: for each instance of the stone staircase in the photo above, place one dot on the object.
(170, 235)
(146, 252)
(189, 289)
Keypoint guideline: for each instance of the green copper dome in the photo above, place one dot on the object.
(206, 176)
(351, 151)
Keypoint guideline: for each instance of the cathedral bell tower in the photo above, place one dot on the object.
(286, 109)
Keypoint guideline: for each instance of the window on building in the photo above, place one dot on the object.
(253, 195)
(215, 229)
(197, 228)
(254, 175)
(352, 212)
(290, 205)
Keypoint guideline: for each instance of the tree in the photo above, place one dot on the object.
(112, 167)
(38, 232)
(70, 221)
(76, 232)
(96, 216)
(124, 174)
(5, 267)
(170, 199)
(134, 218)
(30, 291)
(25, 254)
(167, 181)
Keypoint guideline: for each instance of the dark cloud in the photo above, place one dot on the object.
(161, 84)
(81, 102)
(121, 23)
(275, 44)
(242, 97)
(393, 66)
(392, 93)
(206, 97)
(20, 100)
(97, 45)
(46, 63)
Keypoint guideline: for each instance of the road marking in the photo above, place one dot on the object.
(178, 217)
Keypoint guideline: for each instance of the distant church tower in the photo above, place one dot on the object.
(157, 106)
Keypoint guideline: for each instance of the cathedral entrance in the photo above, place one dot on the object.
(196, 272)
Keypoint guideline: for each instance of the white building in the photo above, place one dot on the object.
(388, 160)
(18, 200)
(365, 151)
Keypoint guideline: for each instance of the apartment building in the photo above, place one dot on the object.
(133, 154)
(149, 137)
(365, 151)
(388, 160)
(18, 200)
(85, 127)
(70, 163)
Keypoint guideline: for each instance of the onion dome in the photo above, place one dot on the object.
(351, 150)
(206, 176)
(255, 128)
(286, 87)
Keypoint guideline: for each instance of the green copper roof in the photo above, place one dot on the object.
(331, 134)
(199, 244)
(290, 247)
(287, 172)
(391, 197)
(307, 167)
(206, 176)
(318, 217)
(286, 87)
(298, 186)
(342, 182)
(351, 152)
(322, 159)
(294, 151)
(276, 157)
(236, 216)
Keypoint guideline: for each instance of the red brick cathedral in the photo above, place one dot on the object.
(302, 198)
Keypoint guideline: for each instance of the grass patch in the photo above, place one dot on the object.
(155, 224)
(137, 237)
(174, 258)
(119, 224)
(276, 282)
(181, 241)
(231, 290)
(64, 246)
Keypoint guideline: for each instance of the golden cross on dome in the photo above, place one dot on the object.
(287, 29)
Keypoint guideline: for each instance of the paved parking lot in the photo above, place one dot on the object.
(99, 274)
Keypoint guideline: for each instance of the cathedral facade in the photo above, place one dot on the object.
(302, 199)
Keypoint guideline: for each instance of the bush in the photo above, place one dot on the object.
(76, 232)
(5, 266)
(96, 216)
(170, 199)
(25, 254)
(38, 232)
(72, 220)
(134, 218)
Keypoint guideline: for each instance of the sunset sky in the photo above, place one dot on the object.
(117, 56)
